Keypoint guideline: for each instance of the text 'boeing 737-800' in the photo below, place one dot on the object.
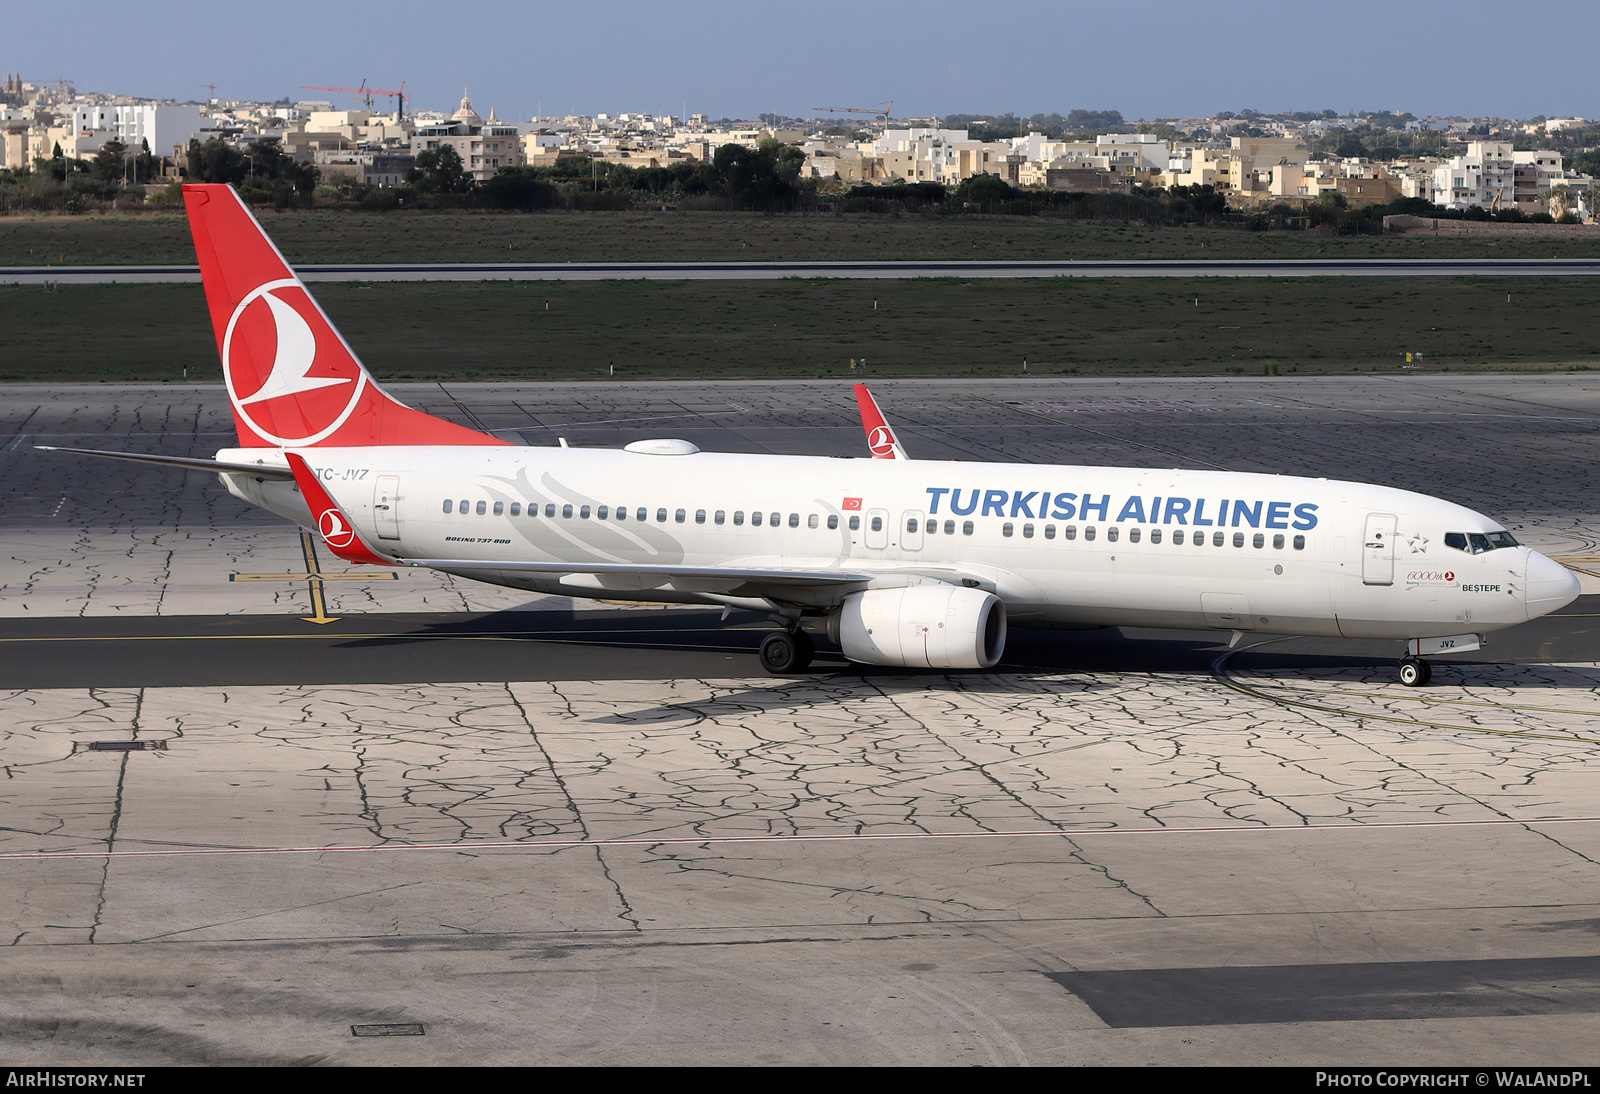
(905, 562)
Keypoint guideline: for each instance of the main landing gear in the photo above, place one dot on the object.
(786, 651)
(1415, 672)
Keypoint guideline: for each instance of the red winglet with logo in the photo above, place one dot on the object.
(880, 438)
(293, 380)
(332, 523)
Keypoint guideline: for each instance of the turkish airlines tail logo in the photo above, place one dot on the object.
(293, 380)
(296, 353)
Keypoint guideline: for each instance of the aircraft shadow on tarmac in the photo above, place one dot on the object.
(1106, 650)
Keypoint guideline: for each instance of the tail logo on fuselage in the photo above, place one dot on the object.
(333, 528)
(276, 320)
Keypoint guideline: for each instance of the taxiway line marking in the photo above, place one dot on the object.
(819, 837)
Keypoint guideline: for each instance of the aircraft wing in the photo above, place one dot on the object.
(646, 571)
(187, 463)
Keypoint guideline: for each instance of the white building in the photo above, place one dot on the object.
(164, 126)
(1485, 176)
(1492, 176)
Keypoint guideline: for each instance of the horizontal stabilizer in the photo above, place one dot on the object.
(187, 463)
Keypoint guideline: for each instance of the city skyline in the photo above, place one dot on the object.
(1144, 58)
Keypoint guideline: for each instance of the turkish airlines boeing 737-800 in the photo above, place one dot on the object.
(906, 562)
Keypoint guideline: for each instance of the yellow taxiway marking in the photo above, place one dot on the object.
(390, 576)
(315, 579)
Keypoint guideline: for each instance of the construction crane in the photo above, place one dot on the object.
(213, 88)
(367, 93)
(881, 112)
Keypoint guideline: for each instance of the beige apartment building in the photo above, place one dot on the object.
(484, 146)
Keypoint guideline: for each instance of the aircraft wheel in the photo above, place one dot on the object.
(784, 652)
(1415, 672)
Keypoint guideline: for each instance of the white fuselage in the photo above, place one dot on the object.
(1058, 544)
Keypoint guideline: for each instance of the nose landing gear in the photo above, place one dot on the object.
(786, 651)
(1415, 672)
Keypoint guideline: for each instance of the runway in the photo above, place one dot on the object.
(764, 271)
(256, 807)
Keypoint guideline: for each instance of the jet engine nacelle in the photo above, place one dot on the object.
(922, 626)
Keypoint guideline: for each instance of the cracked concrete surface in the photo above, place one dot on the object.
(1192, 812)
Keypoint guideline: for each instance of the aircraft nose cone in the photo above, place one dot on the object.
(1550, 585)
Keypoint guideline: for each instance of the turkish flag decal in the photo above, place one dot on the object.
(851, 503)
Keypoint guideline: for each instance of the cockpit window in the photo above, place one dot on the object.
(1479, 542)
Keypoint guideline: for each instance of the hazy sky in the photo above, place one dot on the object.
(740, 59)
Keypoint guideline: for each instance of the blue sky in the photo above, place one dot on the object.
(1144, 58)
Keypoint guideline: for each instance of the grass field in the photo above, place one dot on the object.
(807, 328)
(648, 237)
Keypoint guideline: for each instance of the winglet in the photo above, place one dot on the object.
(335, 527)
(880, 438)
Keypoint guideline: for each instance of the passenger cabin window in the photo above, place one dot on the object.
(642, 513)
(1133, 535)
(1070, 532)
(680, 516)
(738, 517)
(1177, 536)
(1027, 531)
(448, 505)
(811, 520)
(516, 508)
(1259, 541)
(661, 516)
(794, 520)
(1111, 533)
(463, 506)
(584, 512)
(833, 521)
(699, 516)
(566, 512)
(1155, 535)
(755, 519)
(499, 508)
(1007, 529)
(855, 524)
(600, 514)
(949, 527)
(877, 524)
(1218, 537)
(966, 527)
(1088, 531)
(1277, 542)
(1238, 539)
(721, 517)
(1299, 543)
(482, 508)
(775, 518)
(1049, 531)
(550, 509)
(622, 512)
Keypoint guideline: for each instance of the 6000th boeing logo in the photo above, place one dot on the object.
(1041, 505)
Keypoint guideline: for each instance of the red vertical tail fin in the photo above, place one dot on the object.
(293, 380)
